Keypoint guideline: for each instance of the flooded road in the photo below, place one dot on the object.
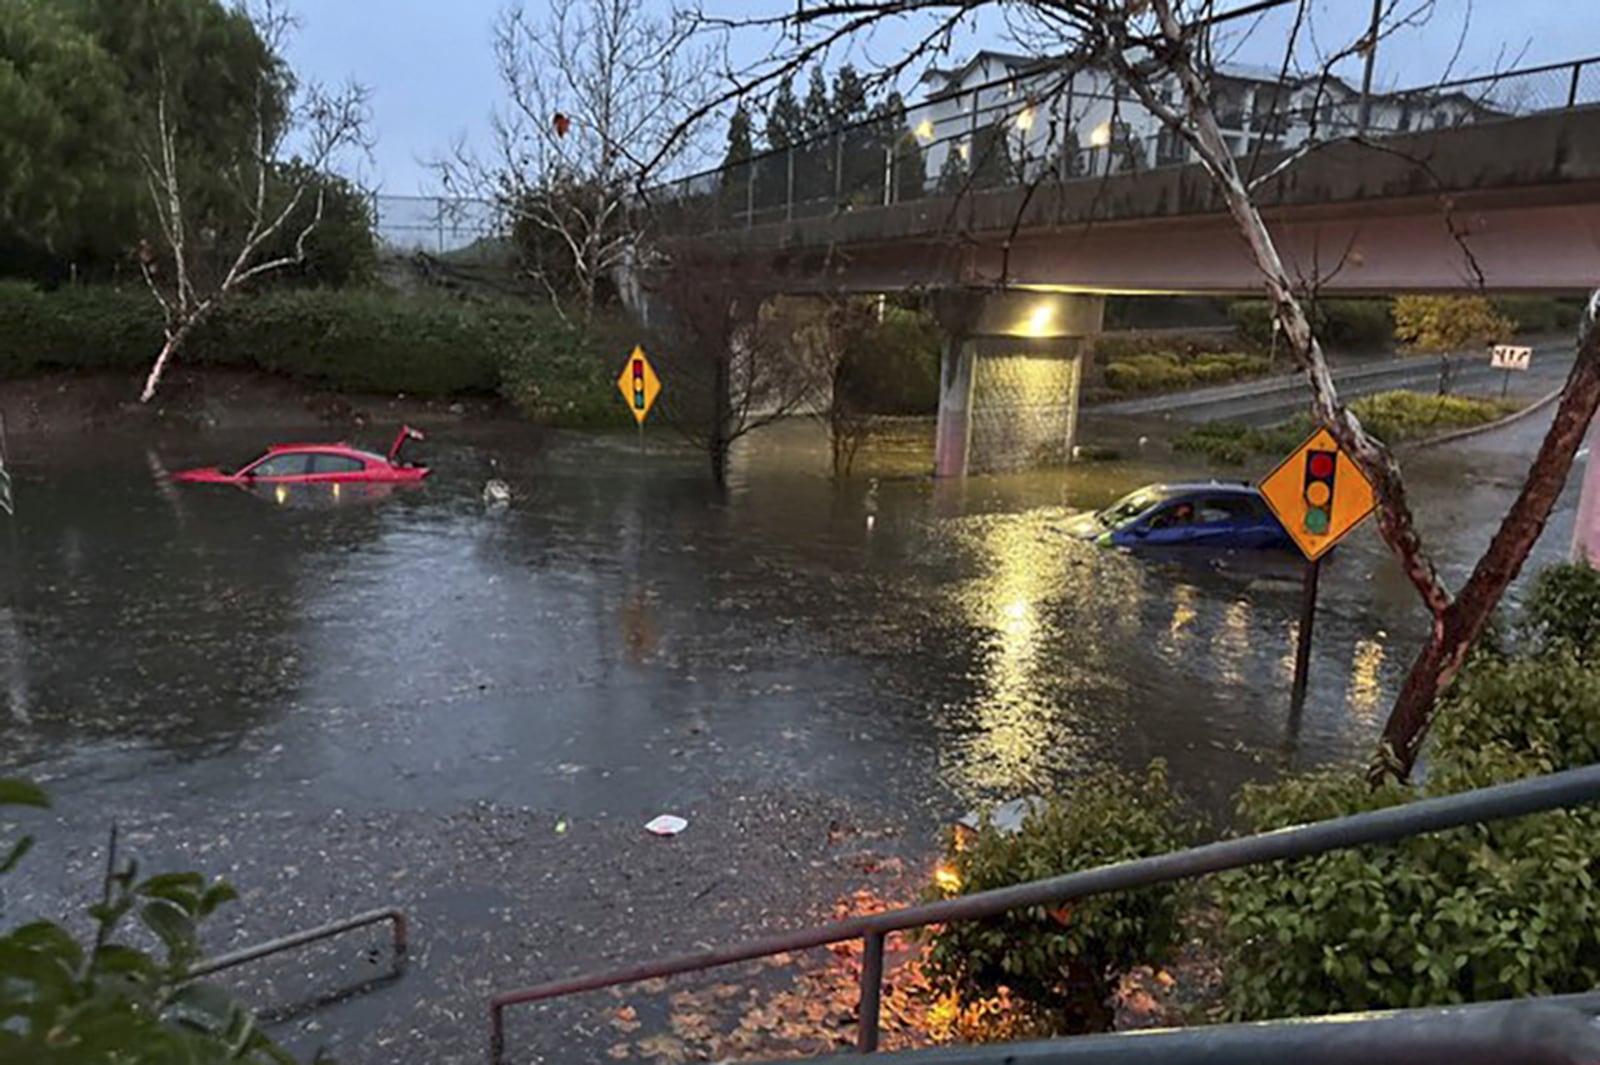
(622, 641)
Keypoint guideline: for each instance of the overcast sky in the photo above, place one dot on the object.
(429, 65)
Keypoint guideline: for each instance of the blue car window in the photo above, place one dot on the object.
(1227, 510)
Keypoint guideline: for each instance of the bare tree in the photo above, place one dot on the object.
(734, 364)
(826, 334)
(595, 90)
(200, 260)
(1156, 47)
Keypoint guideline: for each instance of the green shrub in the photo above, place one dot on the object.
(1535, 315)
(1110, 347)
(1398, 416)
(1232, 443)
(561, 373)
(894, 367)
(1497, 910)
(1342, 324)
(76, 329)
(1563, 611)
(1147, 373)
(1064, 961)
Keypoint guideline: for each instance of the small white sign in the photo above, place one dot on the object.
(1507, 357)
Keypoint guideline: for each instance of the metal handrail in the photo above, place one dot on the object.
(1558, 1030)
(1045, 67)
(395, 917)
(1556, 790)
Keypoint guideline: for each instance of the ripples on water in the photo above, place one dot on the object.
(622, 632)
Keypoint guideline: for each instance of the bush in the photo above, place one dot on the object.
(1166, 371)
(1064, 962)
(1395, 417)
(344, 339)
(1110, 347)
(894, 368)
(76, 329)
(1348, 324)
(1449, 323)
(1540, 315)
(561, 374)
(1493, 911)
(1563, 611)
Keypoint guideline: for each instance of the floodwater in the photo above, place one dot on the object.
(417, 698)
(621, 634)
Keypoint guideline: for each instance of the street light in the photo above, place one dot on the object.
(924, 130)
(1100, 136)
(1025, 119)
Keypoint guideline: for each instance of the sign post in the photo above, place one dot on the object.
(1319, 495)
(1508, 357)
(639, 386)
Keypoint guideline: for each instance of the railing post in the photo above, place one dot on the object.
(788, 200)
(838, 170)
(1572, 88)
(871, 992)
(888, 175)
(749, 193)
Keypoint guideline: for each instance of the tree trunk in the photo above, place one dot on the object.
(1458, 626)
(718, 440)
(174, 342)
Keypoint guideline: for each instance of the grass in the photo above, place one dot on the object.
(1393, 417)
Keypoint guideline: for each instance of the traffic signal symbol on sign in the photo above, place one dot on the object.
(639, 385)
(1318, 490)
(1318, 494)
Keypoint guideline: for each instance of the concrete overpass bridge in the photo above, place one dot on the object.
(1510, 203)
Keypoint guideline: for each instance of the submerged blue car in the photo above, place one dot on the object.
(1222, 516)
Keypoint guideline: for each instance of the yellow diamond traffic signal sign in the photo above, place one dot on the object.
(1318, 494)
(639, 385)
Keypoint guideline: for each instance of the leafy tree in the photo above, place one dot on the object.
(816, 114)
(785, 121)
(340, 249)
(62, 189)
(850, 98)
(740, 147)
(1444, 324)
(953, 174)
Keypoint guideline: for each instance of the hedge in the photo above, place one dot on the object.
(1358, 324)
(349, 340)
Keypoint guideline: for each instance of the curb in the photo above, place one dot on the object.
(1488, 427)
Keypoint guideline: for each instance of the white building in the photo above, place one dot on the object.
(1008, 117)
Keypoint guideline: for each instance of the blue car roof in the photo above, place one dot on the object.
(1172, 491)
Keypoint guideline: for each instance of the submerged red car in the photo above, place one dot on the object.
(317, 463)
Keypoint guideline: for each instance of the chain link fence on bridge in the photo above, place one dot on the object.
(437, 225)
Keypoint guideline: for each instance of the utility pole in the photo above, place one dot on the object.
(1366, 73)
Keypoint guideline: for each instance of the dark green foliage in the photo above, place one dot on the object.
(893, 366)
(340, 251)
(785, 121)
(1065, 961)
(73, 328)
(1494, 911)
(62, 118)
(740, 145)
(1233, 443)
(1563, 612)
(1339, 324)
(560, 373)
(1536, 315)
(66, 1002)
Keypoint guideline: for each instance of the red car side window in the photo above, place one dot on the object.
(293, 464)
(336, 464)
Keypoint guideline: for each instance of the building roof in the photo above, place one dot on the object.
(1010, 60)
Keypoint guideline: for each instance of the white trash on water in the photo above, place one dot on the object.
(666, 825)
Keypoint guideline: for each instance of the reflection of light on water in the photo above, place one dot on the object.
(281, 494)
(1365, 691)
(1017, 730)
(1183, 614)
(1232, 643)
(1286, 663)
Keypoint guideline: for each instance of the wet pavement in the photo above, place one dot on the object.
(356, 701)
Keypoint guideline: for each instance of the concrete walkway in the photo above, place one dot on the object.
(1264, 401)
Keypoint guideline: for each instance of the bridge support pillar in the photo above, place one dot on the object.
(1009, 378)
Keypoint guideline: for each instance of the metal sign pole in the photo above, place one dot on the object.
(1505, 381)
(1308, 617)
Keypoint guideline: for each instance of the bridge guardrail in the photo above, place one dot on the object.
(1022, 130)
